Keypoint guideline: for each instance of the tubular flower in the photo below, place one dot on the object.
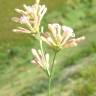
(31, 17)
(60, 36)
(41, 59)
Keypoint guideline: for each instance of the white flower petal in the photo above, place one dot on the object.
(49, 39)
(20, 11)
(15, 19)
(43, 11)
(33, 62)
(52, 29)
(24, 19)
(45, 40)
(35, 53)
(37, 1)
(67, 29)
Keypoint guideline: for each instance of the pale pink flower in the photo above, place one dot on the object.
(24, 19)
(74, 42)
(31, 16)
(21, 29)
(60, 36)
(41, 59)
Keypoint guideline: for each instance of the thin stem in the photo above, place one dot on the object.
(52, 66)
(41, 46)
(49, 86)
(51, 74)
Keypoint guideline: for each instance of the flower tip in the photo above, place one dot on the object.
(14, 30)
(25, 6)
(37, 1)
(67, 29)
(34, 50)
(33, 62)
(83, 38)
(15, 19)
(17, 10)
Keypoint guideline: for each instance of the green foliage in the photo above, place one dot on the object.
(75, 73)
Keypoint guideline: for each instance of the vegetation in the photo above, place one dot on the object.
(75, 69)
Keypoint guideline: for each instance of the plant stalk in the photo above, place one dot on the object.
(51, 74)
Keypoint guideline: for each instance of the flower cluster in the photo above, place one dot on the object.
(41, 59)
(60, 36)
(30, 17)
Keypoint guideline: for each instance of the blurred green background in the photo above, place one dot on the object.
(75, 70)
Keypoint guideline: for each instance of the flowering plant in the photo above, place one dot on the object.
(58, 37)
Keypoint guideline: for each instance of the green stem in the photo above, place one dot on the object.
(49, 86)
(40, 40)
(41, 47)
(53, 63)
(51, 74)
